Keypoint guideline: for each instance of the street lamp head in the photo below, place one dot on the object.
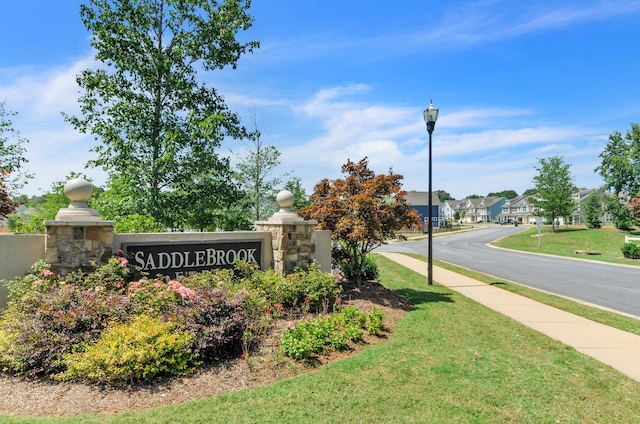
(430, 115)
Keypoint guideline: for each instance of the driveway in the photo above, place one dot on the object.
(605, 285)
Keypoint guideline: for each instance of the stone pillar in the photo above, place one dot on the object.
(291, 236)
(78, 237)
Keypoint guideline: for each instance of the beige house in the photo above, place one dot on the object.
(480, 210)
(518, 210)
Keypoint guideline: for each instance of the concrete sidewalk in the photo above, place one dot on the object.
(616, 348)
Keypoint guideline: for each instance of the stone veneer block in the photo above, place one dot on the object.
(93, 233)
(51, 255)
(64, 231)
(71, 244)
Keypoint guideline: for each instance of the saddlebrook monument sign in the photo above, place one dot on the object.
(176, 259)
(79, 236)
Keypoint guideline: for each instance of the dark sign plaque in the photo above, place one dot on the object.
(177, 258)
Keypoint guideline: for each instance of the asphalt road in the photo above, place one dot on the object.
(605, 285)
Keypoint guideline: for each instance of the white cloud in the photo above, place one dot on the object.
(447, 26)
(467, 156)
(45, 94)
(487, 21)
(55, 149)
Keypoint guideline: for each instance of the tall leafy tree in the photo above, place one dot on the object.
(620, 208)
(593, 210)
(256, 174)
(12, 160)
(6, 205)
(620, 169)
(620, 166)
(159, 127)
(362, 211)
(554, 189)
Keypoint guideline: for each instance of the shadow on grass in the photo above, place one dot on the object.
(568, 230)
(417, 297)
(497, 283)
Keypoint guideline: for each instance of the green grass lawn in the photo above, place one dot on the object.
(565, 241)
(450, 360)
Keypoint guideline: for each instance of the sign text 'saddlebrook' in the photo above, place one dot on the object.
(174, 260)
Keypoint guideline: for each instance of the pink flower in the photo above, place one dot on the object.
(135, 285)
(47, 272)
(186, 293)
(183, 291)
(158, 284)
(174, 285)
(291, 325)
(123, 262)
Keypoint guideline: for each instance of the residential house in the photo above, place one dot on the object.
(519, 210)
(446, 212)
(580, 198)
(482, 209)
(419, 201)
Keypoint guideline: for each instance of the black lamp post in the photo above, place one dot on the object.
(430, 116)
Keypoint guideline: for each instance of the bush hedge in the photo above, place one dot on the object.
(631, 250)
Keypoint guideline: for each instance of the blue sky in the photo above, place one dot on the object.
(335, 80)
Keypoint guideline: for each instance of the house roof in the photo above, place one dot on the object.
(479, 202)
(520, 200)
(581, 194)
(419, 198)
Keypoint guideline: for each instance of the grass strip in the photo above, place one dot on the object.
(566, 241)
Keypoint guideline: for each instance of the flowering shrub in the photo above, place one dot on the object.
(43, 326)
(40, 278)
(135, 351)
(156, 297)
(215, 322)
(116, 274)
(94, 325)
